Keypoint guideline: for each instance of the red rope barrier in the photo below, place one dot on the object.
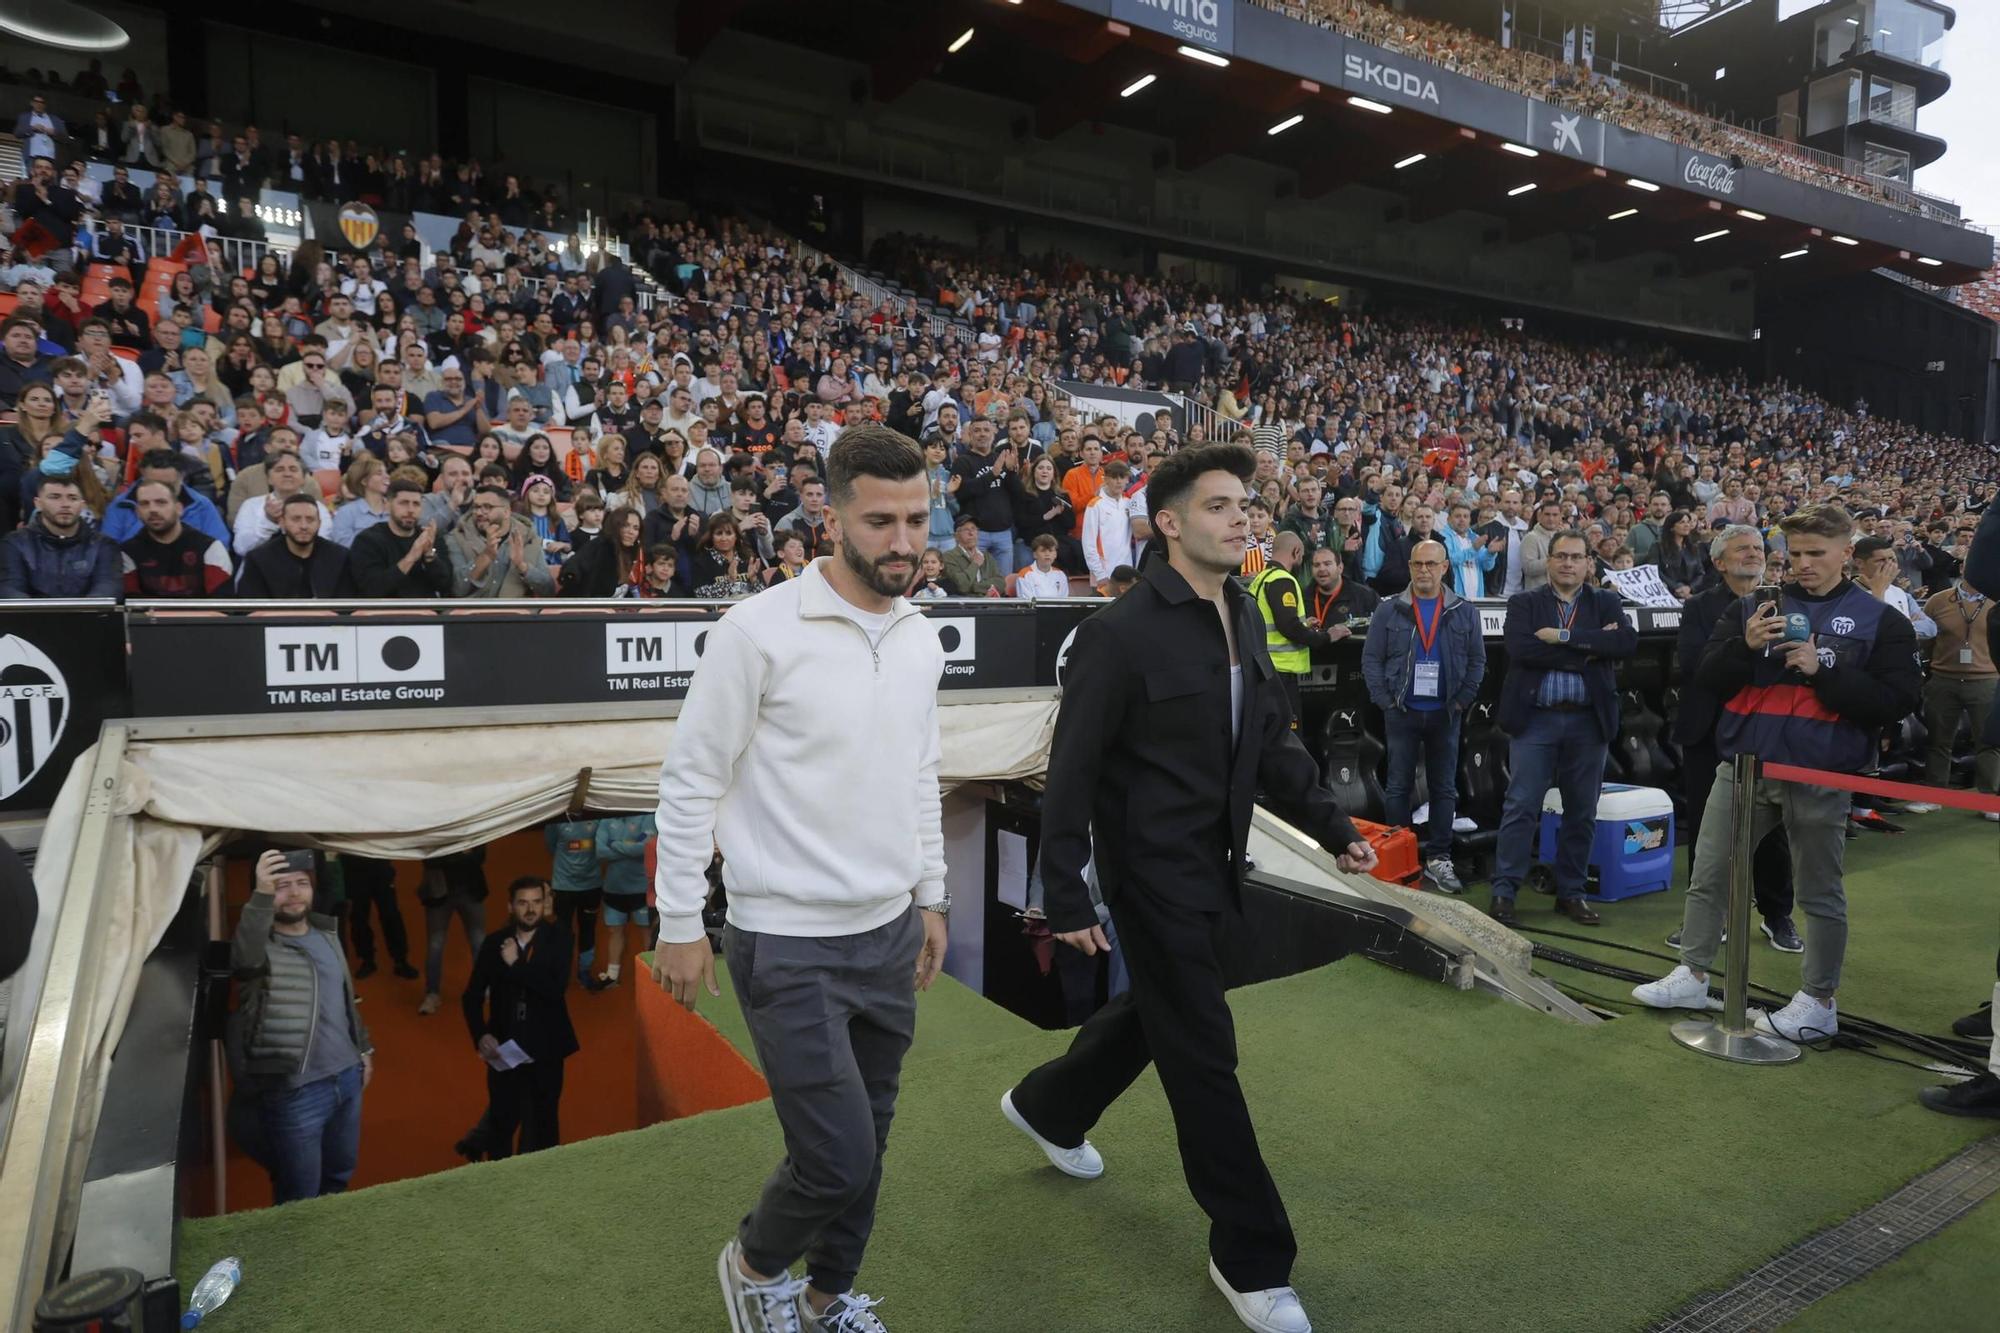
(1904, 791)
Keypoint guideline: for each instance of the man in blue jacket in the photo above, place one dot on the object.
(121, 516)
(1559, 703)
(1423, 660)
(57, 554)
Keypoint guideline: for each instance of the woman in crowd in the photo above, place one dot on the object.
(612, 560)
(1040, 505)
(367, 484)
(267, 284)
(723, 566)
(538, 458)
(196, 379)
(675, 455)
(489, 450)
(358, 376)
(1680, 557)
(609, 474)
(644, 490)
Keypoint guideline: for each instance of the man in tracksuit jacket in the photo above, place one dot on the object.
(1817, 702)
(1423, 660)
(297, 1035)
(835, 886)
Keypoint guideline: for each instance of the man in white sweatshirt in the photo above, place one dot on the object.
(1107, 527)
(836, 887)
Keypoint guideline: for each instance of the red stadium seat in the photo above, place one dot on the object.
(128, 353)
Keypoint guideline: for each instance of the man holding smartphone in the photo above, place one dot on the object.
(1816, 699)
(296, 1038)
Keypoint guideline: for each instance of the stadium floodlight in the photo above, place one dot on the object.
(1411, 160)
(1286, 124)
(1843, 240)
(1520, 189)
(959, 45)
(1752, 214)
(1139, 85)
(1794, 254)
(1928, 262)
(1622, 214)
(1647, 186)
(1710, 236)
(1367, 104)
(1205, 57)
(1520, 150)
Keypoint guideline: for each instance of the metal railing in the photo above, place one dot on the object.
(1214, 425)
(940, 327)
(235, 253)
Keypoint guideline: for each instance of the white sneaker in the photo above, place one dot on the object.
(1081, 1162)
(1679, 989)
(850, 1312)
(1990, 816)
(758, 1307)
(1273, 1310)
(1920, 808)
(1804, 1019)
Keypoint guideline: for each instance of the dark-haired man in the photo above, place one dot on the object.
(1148, 682)
(56, 554)
(21, 361)
(122, 520)
(836, 891)
(515, 999)
(299, 566)
(397, 558)
(167, 558)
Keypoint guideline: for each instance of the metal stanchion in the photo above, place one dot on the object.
(1733, 1038)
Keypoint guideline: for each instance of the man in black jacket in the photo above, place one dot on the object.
(301, 565)
(1559, 703)
(1148, 683)
(398, 558)
(1738, 555)
(516, 996)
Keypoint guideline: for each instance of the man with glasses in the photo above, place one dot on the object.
(316, 387)
(1559, 703)
(456, 419)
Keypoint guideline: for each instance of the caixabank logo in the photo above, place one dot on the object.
(312, 666)
(34, 708)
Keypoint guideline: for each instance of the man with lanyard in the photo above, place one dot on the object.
(1334, 599)
(1961, 685)
(1423, 660)
(1816, 701)
(525, 969)
(1287, 637)
(1559, 703)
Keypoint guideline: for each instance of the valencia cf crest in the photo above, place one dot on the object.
(34, 708)
(359, 224)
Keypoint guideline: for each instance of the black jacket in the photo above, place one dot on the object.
(1142, 769)
(1982, 571)
(272, 573)
(375, 555)
(1588, 653)
(1700, 706)
(526, 999)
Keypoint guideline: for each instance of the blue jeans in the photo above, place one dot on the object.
(1435, 732)
(1565, 749)
(999, 547)
(312, 1136)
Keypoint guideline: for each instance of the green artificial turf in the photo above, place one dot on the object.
(1451, 1161)
(1947, 1284)
(1921, 926)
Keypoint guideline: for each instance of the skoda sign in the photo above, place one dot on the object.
(1366, 74)
(1205, 23)
(1710, 174)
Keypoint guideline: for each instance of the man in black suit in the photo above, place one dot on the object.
(1738, 554)
(1149, 684)
(1559, 703)
(524, 969)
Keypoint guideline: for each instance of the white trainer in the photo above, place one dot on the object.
(1273, 1310)
(850, 1312)
(1920, 808)
(1679, 989)
(758, 1307)
(1804, 1019)
(1081, 1161)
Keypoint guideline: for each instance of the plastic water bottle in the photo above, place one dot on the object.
(214, 1288)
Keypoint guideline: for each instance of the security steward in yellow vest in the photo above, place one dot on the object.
(1287, 635)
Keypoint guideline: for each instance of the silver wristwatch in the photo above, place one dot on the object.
(942, 906)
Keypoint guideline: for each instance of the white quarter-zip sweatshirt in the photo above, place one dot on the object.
(808, 750)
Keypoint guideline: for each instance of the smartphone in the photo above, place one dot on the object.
(299, 858)
(1767, 592)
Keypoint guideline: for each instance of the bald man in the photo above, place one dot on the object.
(1287, 634)
(1423, 661)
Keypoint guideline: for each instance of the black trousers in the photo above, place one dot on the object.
(526, 1098)
(372, 883)
(1290, 680)
(1175, 1017)
(1770, 866)
(576, 912)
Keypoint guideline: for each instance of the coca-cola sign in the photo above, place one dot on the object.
(1713, 175)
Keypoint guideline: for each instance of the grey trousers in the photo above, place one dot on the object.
(831, 1018)
(1946, 699)
(1815, 820)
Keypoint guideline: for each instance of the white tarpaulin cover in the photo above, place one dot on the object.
(398, 795)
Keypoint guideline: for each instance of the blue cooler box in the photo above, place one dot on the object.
(1632, 851)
